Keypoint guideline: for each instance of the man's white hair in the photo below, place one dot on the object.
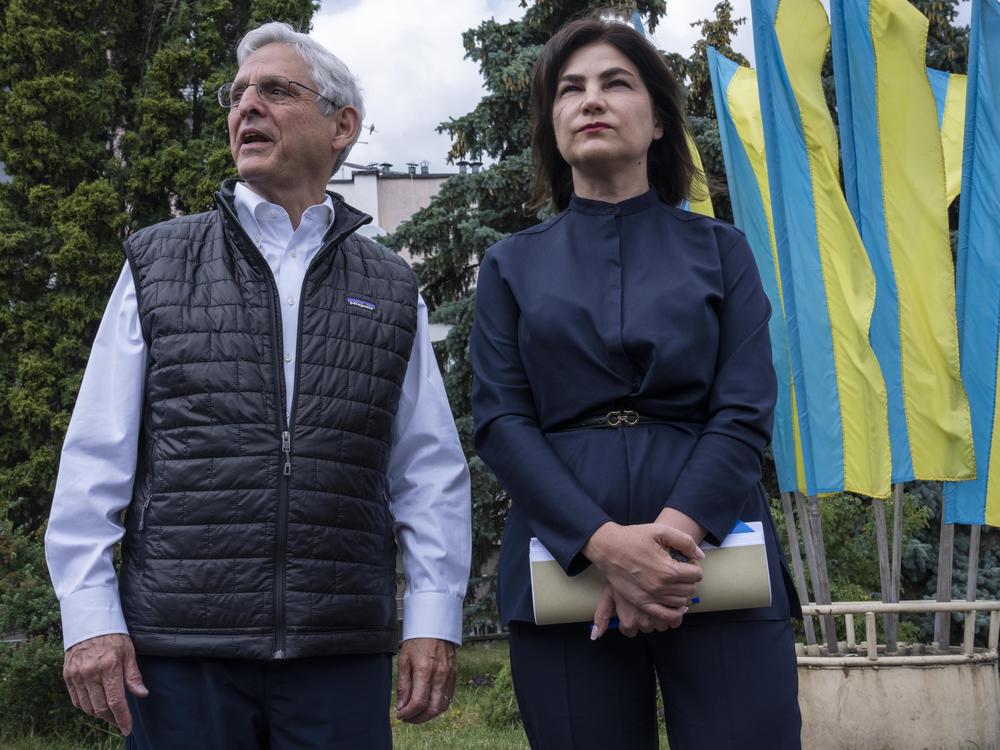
(333, 79)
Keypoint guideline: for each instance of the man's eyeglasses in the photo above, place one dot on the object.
(274, 89)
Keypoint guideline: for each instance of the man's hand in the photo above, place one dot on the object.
(639, 568)
(426, 679)
(97, 671)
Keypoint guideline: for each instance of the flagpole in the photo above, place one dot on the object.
(892, 624)
(971, 583)
(812, 527)
(946, 550)
(796, 556)
(884, 571)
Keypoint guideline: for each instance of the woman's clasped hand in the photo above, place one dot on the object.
(648, 589)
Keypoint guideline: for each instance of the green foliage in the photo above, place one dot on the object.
(501, 705)
(108, 122)
(33, 695)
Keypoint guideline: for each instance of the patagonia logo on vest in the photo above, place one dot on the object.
(362, 303)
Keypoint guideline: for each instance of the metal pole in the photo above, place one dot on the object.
(884, 574)
(816, 521)
(968, 642)
(946, 551)
(892, 623)
(796, 556)
(807, 542)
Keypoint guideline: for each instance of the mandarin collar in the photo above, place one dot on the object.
(597, 208)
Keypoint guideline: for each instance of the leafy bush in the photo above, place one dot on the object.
(33, 695)
(500, 705)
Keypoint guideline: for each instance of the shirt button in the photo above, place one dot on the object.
(257, 239)
(295, 254)
(274, 213)
(291, 300)
(288, 357)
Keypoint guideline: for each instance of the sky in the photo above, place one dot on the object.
(409, 59)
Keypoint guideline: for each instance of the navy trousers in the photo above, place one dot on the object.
(328, 703)
(725, 686)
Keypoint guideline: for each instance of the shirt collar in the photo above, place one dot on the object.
(251, 209)
(630, 206)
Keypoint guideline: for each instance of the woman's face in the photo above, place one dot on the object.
(603, 114)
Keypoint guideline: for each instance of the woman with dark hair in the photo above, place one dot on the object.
(623, 397)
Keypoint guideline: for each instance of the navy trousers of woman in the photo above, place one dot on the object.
(725, 686)
(319, 703)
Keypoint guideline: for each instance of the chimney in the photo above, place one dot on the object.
(475, 167)
(463, 167)
(425, 167)
(411, 168)
(386, 167)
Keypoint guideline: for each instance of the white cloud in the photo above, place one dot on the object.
(410, 61)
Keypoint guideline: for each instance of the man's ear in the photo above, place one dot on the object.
(346, 123)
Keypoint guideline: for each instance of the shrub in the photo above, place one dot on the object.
(500, 705)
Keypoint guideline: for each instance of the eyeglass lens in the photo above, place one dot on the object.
(271, 88)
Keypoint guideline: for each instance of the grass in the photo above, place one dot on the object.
(462, 727)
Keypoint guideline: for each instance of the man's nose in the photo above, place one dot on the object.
(251, 102)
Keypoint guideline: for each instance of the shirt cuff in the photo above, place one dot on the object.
(430, 614)
(91, 612)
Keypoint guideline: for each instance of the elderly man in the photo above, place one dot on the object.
(263, 403)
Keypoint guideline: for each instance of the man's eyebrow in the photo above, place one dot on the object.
(609, 73)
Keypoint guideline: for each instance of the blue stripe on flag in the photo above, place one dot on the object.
(939, 85)
(978, 269)
(857, 111)
(750, 216)
(809, 332)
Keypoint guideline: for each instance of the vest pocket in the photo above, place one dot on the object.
(147, 487)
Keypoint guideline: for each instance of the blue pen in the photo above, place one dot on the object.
(612, 625)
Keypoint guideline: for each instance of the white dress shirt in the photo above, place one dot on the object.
(428, 477)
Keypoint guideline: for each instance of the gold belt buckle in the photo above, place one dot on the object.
(628, 418)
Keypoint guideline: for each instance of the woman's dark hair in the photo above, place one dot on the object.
(668, 162)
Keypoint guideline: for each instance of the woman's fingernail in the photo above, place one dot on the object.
(684, 611)
(593, 632)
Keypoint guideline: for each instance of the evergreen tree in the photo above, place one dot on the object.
(108, 122)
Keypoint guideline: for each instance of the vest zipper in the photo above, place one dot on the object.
(286, 421)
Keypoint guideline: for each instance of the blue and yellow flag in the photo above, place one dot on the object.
(894, 180)
(742, 134)
(826, 277)
(949, 98)
(700, 201)
(978, 271)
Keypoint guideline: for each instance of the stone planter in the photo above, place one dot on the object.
(918, 697)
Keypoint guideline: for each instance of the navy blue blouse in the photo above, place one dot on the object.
(636, 305)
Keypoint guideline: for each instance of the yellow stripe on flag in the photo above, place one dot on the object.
(953, 134)
(916, 219)
(744, 107)
(701, 201)
(803, 33)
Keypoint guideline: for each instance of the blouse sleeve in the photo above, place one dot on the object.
(507, 435)
(725, 465)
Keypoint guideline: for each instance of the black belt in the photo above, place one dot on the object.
(611, 420)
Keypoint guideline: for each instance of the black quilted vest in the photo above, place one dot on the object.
(250, 535)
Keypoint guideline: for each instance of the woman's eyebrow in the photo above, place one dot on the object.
(609, 73)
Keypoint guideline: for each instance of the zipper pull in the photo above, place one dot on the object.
(286, 448)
